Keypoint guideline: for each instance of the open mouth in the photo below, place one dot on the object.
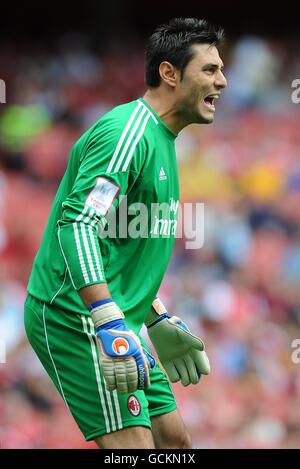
(209, 101)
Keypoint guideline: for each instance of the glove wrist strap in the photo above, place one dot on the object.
(103, 312)
(157, 313)
(161, 317)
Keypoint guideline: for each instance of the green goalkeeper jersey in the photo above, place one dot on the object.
(114, 216)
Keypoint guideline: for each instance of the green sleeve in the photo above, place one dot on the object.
(105, 173)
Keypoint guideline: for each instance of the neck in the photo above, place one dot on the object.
(164, 106)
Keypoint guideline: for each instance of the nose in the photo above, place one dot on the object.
(221, 81)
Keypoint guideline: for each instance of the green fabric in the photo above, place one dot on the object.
(66, 345)
(132, 149)
(181, 353)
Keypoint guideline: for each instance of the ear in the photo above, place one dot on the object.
(168, 73)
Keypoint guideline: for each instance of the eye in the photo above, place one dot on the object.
(209, 71)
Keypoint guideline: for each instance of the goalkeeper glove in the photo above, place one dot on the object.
(124, 363)
(180, 352)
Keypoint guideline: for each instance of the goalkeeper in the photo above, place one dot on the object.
(89, 293)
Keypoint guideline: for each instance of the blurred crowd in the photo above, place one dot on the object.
(240, 291)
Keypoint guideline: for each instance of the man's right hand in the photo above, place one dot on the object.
(124, 362)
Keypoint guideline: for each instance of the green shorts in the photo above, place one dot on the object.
(66, 345)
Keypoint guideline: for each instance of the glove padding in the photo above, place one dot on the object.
(125, 364)
(180, 352)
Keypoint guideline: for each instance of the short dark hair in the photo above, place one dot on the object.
(172, 41)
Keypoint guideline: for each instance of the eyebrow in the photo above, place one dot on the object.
(214, 65)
